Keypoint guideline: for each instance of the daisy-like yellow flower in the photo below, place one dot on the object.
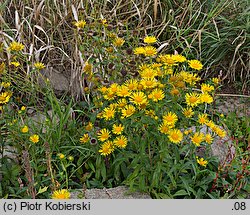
(128, 111)
(25, 129)
(150, 51)
(202, 119)
(206, 88)
(34, 138)
(103, 134)
(216, 81)
(208, 138)
(210, 124)
(5, 84)
(121, 141)
(85, 138)
(206, 98)
(88, 67)
(195, 64)
(156, 95)
(175, 135)
(106, 148)
(109, 95)
(89, 126)
(23, 108)
(170, 118)
(80, 24)
(148, 83)
(150, 39)
(104, 22)
(148, 73)
(121, 103)
(114, 87)
(192, 99)
(179, 58)
(117, 129)
(123, 91)
(220, 132)
(108, 113)
(138, 98)
(118, 42)
(39, 65)
(61, 194)
(15, 46)
(167, 59)
(131, 84)
(139, 50)
(201, 161)
(197, 138)
(164, 128)
(15, 63)
(4, 97)
(175, 92)
(188, 112)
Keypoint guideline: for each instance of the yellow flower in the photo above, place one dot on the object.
(192, 99)
(118, 42)
(220, 132)
(170, 118)
(89, 126)
(150, 51)
(195, 64)
(61, 156)
(80, 24)
(208, 138)
(164, 128)
(206, 98)
(216, 81)
(148, 83)
(197, 138)
(15, 46)
(131, 84)
(23, 108)
(121, 141)
(148, 73)
(5, 84)
(201, 161)
(103, 134)
(128, 111)
(139, 50)
(61, 194)
(104, 22)
(175, 136)
(179, 58)
(4, 98)
(108, 113)
(117, 129)
(85, 138)
(202, 119)
(138, 98)
(175, 92)
(88, 67)
(167, 59)
(206, 88)
(121, 103)
(15, 63)
(106, 148)
(149, 39)
(34, 138)
(188, 112)
(39, 65)
(25, 129)
(123, 91)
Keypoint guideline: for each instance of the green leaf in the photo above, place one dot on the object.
(180, 193)
(42, 190)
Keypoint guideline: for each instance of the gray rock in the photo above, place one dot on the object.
(120, 192)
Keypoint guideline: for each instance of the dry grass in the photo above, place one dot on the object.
(46, 28)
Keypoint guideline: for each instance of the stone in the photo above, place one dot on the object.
(120, 192)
